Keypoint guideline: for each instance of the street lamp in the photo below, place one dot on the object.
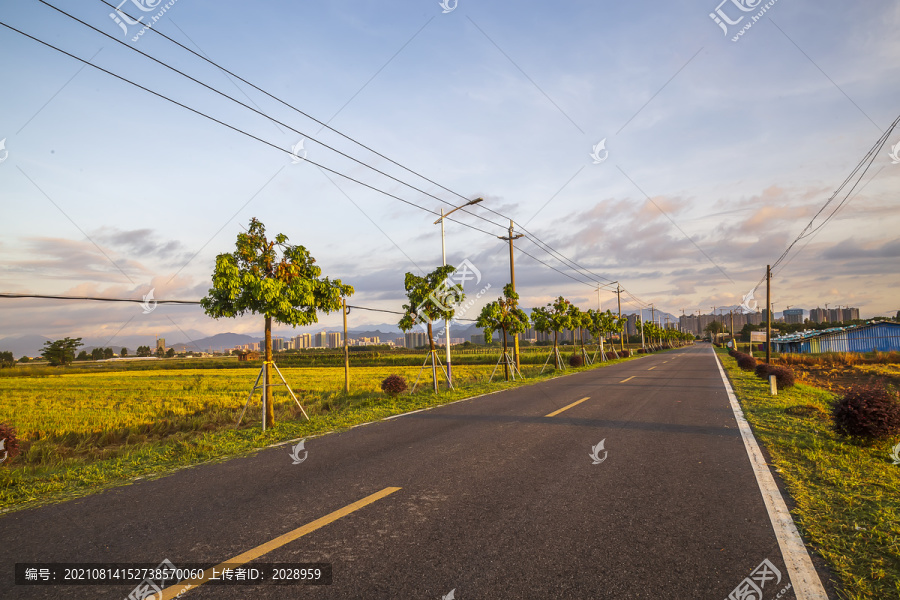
(444, 260)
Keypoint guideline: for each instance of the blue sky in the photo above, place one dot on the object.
(108, 190)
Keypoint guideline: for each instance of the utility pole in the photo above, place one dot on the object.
(444, 260)
(768, 314)
(346, 350)
(641, 314)
(624, 327)
(733, 343)
(512, 280)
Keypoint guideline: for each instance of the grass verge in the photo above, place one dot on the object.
(847, 495)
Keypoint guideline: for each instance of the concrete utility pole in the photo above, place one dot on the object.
(733, 343)
(768, 314)
(444, 261)
(624, 327)
(346, 349)
(512, 280)
(641, 314)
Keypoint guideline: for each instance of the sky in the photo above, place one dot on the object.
(640, 141)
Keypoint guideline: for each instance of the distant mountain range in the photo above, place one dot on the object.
(31, 345)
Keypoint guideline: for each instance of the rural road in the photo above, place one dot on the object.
(496, 499)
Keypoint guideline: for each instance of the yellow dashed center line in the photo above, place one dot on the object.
(576, 403)
(183, 586)
(629, 379)
(651, 368)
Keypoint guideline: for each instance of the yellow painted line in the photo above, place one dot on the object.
(629, 379)
(183, 586)
(576, 403)
(651, 368)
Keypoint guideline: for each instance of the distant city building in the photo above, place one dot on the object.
(304, 340)
(793, 315)
(160, 344)
(277, 344)
(631, 327)
(335, 339)
(321, 340)
(834, 315)
(415, 339)
(818, 315)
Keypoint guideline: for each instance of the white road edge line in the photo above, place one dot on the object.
(804, 578)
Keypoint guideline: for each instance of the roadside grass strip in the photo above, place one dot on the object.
(846, 494)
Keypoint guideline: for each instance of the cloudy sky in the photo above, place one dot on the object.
(716, 152)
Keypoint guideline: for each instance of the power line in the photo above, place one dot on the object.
(345, 136)
(10, 295)
(238, 130)
(862, 168)
(541, 245)
(322, 123)
(254, 110)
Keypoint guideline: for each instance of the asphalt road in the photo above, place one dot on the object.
(496, 500)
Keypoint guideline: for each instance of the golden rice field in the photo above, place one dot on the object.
(76, 413)
(83, 431)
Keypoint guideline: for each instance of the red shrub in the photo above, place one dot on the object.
(868, 412)
(393, 385)
(746, 362)
(783, 375)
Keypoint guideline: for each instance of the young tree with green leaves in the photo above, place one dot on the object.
(503, 315)
(602, 324)
(581, 320)
(275, 279)
(431, 298)
(553, 317)
(61, 352)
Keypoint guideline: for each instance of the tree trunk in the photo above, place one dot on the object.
(270, 408)
(505, 362)
(433, 357)
(556, 350)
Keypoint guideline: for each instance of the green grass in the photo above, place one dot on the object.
(847, 494)
(83, 431)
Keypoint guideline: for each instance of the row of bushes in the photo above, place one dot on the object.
(783, 375)
(864, 412)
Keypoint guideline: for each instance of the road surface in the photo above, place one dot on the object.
(502, 496)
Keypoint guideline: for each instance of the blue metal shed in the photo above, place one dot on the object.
(881, 336)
